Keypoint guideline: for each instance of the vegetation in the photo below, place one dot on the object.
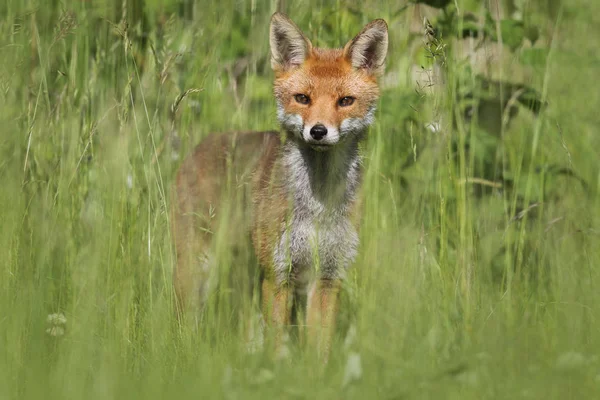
(480, 244)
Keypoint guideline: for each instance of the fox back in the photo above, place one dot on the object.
(295, 192)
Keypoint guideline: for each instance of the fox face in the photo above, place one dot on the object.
(326, 96)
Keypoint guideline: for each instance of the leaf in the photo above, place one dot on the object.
(525, 95)
(483, 146)
(535, 57)
(531, 99)
(435, 3)
(471, 26)
(557, 170)
(513, 32)
(470, 30)
(532, 33)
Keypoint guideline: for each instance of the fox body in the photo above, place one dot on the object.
(294, 193)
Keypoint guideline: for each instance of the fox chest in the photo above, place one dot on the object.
(315, 246)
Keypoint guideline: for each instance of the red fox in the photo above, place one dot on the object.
(297, 188)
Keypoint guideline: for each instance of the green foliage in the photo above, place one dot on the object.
(435, 3)
(480, 238)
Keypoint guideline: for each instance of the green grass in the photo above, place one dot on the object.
(463, 289)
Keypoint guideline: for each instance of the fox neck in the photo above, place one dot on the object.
(322, 183)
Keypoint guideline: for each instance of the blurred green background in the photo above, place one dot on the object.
(480, 240)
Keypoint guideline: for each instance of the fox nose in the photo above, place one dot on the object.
(318, 131)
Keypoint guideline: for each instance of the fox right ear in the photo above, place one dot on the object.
(368, 49)
(289, 46)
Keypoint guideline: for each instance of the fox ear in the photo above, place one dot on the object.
(289, 46)
(368, 49)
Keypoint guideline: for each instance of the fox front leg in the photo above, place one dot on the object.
(321, 313)
(276, 310)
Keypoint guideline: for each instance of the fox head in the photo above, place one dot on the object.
(326, 96)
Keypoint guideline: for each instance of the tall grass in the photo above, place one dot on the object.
(478, 263)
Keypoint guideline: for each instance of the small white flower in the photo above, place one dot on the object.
(57, 322)
(571, 360)
(56, 319)
(129, 181)
(350, 337)
(353, 368)
(56, 331)
(433, 127)
(469, 378)
(263, 376)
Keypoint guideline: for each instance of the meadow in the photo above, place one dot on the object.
(480, 240)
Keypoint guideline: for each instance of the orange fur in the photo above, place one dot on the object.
(267, 185)
(326, 76)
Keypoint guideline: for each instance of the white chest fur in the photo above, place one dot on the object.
(319, 240)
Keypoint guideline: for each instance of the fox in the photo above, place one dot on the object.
(292, 193)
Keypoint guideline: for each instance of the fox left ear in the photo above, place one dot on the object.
(289, 46)
(369, 48)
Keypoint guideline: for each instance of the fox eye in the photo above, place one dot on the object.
(302, 98)
(346, 101)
